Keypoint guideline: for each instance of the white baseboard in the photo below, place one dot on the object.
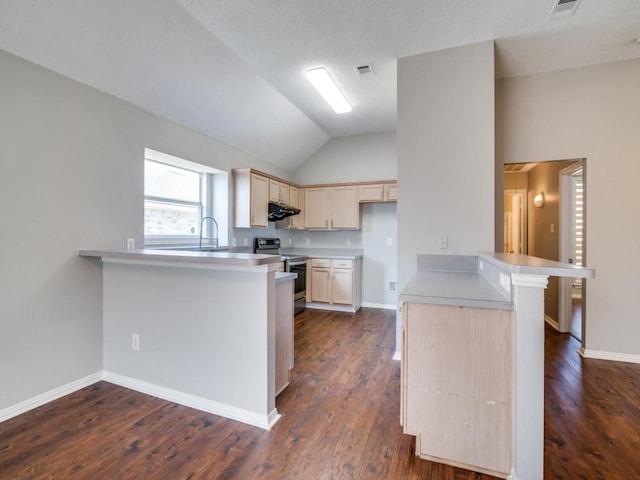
(332, 307)
(193, 401)
(612, 356)
(551, 322)
(383, 306)
(397, 356)
(50, 396)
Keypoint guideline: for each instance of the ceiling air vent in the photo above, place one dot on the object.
(364, 70)
(563, 8)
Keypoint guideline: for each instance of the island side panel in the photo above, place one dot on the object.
(203, 332)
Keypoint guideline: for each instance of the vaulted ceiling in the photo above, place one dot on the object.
(234, 69)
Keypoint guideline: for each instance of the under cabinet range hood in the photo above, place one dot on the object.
(278, 212)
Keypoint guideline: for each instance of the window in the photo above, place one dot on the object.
(172, 200)
(177, 195)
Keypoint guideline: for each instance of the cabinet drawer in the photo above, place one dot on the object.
(342, 264)
(320, 262)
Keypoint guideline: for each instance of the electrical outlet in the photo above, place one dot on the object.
(443, 242)
(393, 286)
(246, 242)
(348, 241)
(135, 341)
(234, 242)
(389, 241)
(290, 240)
(131, 243)
(307, 241)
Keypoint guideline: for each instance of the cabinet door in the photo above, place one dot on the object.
(284, 194)
(342, 284)
(259, 201)
(316, 207)
(294, 221)
(320, 285)
(274, 191)
(390, 192)
(345, 209)
(371, 193)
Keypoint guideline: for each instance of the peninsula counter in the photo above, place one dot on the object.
(205, 325)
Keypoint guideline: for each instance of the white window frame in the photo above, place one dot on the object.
(205, 203)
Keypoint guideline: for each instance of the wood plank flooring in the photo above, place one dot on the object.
(339, 421)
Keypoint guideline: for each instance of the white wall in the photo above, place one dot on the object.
(358, 158)
(593, 113)
(71, 177)
(445, 154)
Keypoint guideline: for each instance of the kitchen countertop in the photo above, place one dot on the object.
(282, 277)
(181, 257)
(335, 253)
(465, 289)
(519, 263)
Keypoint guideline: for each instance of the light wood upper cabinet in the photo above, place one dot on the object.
(390, 192)
(251, 199)
(332, 208)
(316, 211)
(279, 192)
(378, 192)
(285, 193)
(294, 221)
(274, 190)
(345, 209)
(322, 207)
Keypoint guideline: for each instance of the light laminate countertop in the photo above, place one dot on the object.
(464, 289)
(519, 263)
(333, 253)
(212, 259)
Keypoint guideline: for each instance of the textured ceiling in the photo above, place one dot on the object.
(234, 69)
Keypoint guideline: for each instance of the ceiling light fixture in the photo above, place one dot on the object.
(324, 84)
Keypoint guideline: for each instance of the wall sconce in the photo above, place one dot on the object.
(538, 200)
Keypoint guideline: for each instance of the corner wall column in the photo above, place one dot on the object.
(528, 441)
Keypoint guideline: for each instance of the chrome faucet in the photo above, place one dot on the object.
(215, 239)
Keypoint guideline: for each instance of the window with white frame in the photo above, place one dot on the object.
(177, 195)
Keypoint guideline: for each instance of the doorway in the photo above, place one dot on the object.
(572, 247)
(544, 216)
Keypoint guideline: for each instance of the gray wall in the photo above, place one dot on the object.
(355, 159)
(445, 154)
(591, 112)
(71, 177)
(358, 158)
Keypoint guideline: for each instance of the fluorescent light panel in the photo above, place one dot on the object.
(324, 84)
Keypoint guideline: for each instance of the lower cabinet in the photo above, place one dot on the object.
(284, 334)
(457, 385)
(336, 283)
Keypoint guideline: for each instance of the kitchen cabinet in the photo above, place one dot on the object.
(332, 208)
(378, 192)
(284, 334)
(251, 199)
(279, 192)
(457, 385)
(335, 282)
(296, 200)
(390, 192)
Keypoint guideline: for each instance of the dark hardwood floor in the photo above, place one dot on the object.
(339, 421)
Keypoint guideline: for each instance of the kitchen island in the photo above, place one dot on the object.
(196, 328)
(472, 382)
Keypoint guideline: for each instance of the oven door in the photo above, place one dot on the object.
(300, 284)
